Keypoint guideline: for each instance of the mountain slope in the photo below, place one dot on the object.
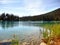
(50, 16)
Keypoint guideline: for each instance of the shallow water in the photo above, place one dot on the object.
(23, 30)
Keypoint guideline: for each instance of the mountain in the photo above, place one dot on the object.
(50, 16)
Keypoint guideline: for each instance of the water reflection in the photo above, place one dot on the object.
(23, 29)
(7, 24)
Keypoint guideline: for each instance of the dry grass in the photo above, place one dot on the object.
(53, 35)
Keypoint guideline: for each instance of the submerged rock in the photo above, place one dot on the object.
(42, 43)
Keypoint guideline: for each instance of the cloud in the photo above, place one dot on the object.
(32, 6)
(27, 7)
(8, 1)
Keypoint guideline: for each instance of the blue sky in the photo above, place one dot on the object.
(28, 7)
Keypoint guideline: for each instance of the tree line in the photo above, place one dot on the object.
(8, 17)
(50, 16)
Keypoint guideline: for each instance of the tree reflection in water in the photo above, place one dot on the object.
(7, 24)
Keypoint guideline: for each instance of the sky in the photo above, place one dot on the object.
(28, 7)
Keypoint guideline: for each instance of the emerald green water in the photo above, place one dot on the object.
(23, 30)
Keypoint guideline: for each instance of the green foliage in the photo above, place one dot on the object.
(15, 40)
(54, 30)
(9, 17)
(51, 31)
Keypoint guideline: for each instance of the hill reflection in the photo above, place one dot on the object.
(7, 24)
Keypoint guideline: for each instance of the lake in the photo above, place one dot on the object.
(24, 30)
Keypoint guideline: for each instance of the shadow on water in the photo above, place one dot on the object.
(7, 24)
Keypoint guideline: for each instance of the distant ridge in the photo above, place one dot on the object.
(50, 16)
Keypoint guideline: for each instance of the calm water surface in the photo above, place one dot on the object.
(22, 30)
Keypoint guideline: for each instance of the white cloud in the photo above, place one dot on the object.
(26, 7)
(8, 1)
(33, 6)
